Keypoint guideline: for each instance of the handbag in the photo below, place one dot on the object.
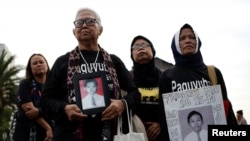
(131, 135)
(138, 126)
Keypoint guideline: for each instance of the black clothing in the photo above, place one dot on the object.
(146, 77)
(189, 72)
(24, 125)
(55, 96)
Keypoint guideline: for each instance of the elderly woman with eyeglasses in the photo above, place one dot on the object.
(87, 60)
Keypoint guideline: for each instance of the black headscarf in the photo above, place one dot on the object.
(145, 75)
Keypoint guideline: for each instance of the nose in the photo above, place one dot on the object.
(188, 39)
(140, 46)
(84, 24)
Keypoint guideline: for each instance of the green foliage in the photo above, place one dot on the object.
(5, 120)
(8, 79)
(8, 87)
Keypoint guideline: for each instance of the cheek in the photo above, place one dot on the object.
(134, 55)
(76, 32)
(181, 46)
(32, 68)
(150, 54)
(45, 68)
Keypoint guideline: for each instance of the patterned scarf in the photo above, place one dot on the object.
(36, 95)
(73, 68)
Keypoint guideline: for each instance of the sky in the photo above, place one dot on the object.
(45, 26)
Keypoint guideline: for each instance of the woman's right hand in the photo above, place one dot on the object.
(74, 113)
(153, 129)
(32, 112)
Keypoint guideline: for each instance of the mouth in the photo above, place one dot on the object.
(189, 46)
(39, 69)
(140, 52)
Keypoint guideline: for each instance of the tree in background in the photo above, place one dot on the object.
(8, 87)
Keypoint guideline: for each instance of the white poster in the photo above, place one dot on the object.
(188, 113)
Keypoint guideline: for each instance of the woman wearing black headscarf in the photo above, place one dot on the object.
(189, 69)
(146, 77)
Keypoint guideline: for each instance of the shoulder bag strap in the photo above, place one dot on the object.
(212, 74)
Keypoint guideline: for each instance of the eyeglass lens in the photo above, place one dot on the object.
(87, 21)
(143, 45)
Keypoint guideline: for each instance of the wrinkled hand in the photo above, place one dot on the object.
(74, 113)
(153, 130)
(32, 113)
(114, 110)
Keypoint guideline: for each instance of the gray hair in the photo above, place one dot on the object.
(92, 11)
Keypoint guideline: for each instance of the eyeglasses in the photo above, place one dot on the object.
(143, 45)
(87, 21)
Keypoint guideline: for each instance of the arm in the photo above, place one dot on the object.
(33, 112)
(54, 100)
(46, 126)
(30, 110)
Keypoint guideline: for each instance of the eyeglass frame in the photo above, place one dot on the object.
(87, 21)
(143, 45)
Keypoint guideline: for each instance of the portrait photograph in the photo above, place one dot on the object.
(195, 120)
(91, 92)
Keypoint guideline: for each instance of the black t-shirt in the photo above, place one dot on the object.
(24, 124)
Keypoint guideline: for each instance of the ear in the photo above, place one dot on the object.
(100, 30)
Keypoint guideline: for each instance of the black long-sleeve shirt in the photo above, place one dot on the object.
(55, 94)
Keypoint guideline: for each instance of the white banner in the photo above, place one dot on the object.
(188, 113)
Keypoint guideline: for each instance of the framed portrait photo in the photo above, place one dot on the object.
(91, 91)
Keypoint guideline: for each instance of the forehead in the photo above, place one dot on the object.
(195, 116)
(138, 41)
(36, 57)
(92, 83)
(85, 14)
(186, 31)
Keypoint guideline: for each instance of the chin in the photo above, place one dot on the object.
(188, 53)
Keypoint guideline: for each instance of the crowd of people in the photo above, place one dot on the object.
(47, 98)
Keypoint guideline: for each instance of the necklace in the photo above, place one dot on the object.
(84, 58)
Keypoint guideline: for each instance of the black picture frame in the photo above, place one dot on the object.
(83, 98)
